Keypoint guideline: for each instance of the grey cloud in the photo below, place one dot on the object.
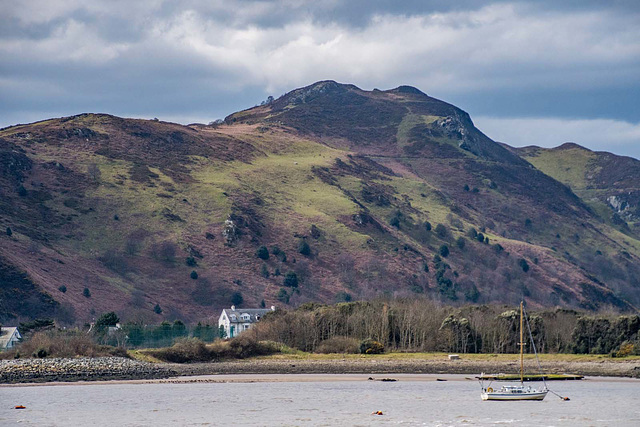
(209, 58)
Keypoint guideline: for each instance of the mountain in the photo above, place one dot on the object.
(327, 193)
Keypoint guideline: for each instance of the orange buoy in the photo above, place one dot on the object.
(20, 407)
(377, 413)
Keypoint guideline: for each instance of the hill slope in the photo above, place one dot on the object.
(609, 183)
(355, 192)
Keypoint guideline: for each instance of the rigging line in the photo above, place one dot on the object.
(535, 352)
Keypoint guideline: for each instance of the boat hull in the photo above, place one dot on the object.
(513, 396)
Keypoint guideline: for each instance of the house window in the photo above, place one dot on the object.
(245, 317)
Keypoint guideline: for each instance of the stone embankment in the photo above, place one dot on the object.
(80, 369)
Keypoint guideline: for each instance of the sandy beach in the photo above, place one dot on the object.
(271, 369)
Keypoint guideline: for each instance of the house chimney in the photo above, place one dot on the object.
(233, 308)
(273, 308)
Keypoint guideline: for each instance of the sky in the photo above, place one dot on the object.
(529, 72)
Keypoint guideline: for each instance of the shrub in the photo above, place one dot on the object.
(263, 253)
(444, 251)
(472, 233)
(283, 296)
(417, 289)
(466, 187)
(86, 292)
(157, 309)
(183, 351)
(276, 272)
(246, 346)
(22, 192)
(441, 231)
(275, 250)
(237, 298)
(191, 261)
(265, 271)
(63, 289)
(291, 279)
(344, 345)
(304, 248)
(343, 297)
(370, 346)
(460, 242)
(194, 275)
(427, 225)
(315, 231)
(394, 222)
(164, 252)
(480, 237)
(523, 264)
(9, 232)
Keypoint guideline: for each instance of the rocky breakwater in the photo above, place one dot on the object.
(79, 369)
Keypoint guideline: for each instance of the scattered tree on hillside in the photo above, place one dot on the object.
(86, 292)
(263, 253)
(441, 231)
(315, 231)
(304, 248)
(444, 251)
(460, 242)
(93, 170)
(265, 271)
(291, 280)
(157, 309)
(283, 296)
(9, 232)
(237, 299)
(107, 319)
(194, 274)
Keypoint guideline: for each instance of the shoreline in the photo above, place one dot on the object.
(285, 378)
(113, 369)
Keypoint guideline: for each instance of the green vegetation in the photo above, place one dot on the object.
(263, 253)
(291, 279)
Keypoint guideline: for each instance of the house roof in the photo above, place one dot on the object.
(252, 312)
(6, 333)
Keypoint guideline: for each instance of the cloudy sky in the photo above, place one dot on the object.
(529, 73)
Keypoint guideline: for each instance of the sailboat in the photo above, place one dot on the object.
(516, 392)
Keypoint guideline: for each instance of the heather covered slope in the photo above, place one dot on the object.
(355, 192)
(609, 183)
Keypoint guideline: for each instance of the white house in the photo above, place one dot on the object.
(236, 321)
(9, 336)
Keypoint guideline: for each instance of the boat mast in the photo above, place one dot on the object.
(521, 344)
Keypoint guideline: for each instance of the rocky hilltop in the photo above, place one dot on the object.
(328, 193)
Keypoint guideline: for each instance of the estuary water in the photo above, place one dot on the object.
(307, 400)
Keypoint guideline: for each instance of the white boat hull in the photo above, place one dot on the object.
(538, 395)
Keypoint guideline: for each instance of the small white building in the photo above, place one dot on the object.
(236, 321)
(9, 337)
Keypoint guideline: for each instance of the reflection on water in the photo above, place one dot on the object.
(406, 402)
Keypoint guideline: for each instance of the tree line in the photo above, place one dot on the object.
(419, 325)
